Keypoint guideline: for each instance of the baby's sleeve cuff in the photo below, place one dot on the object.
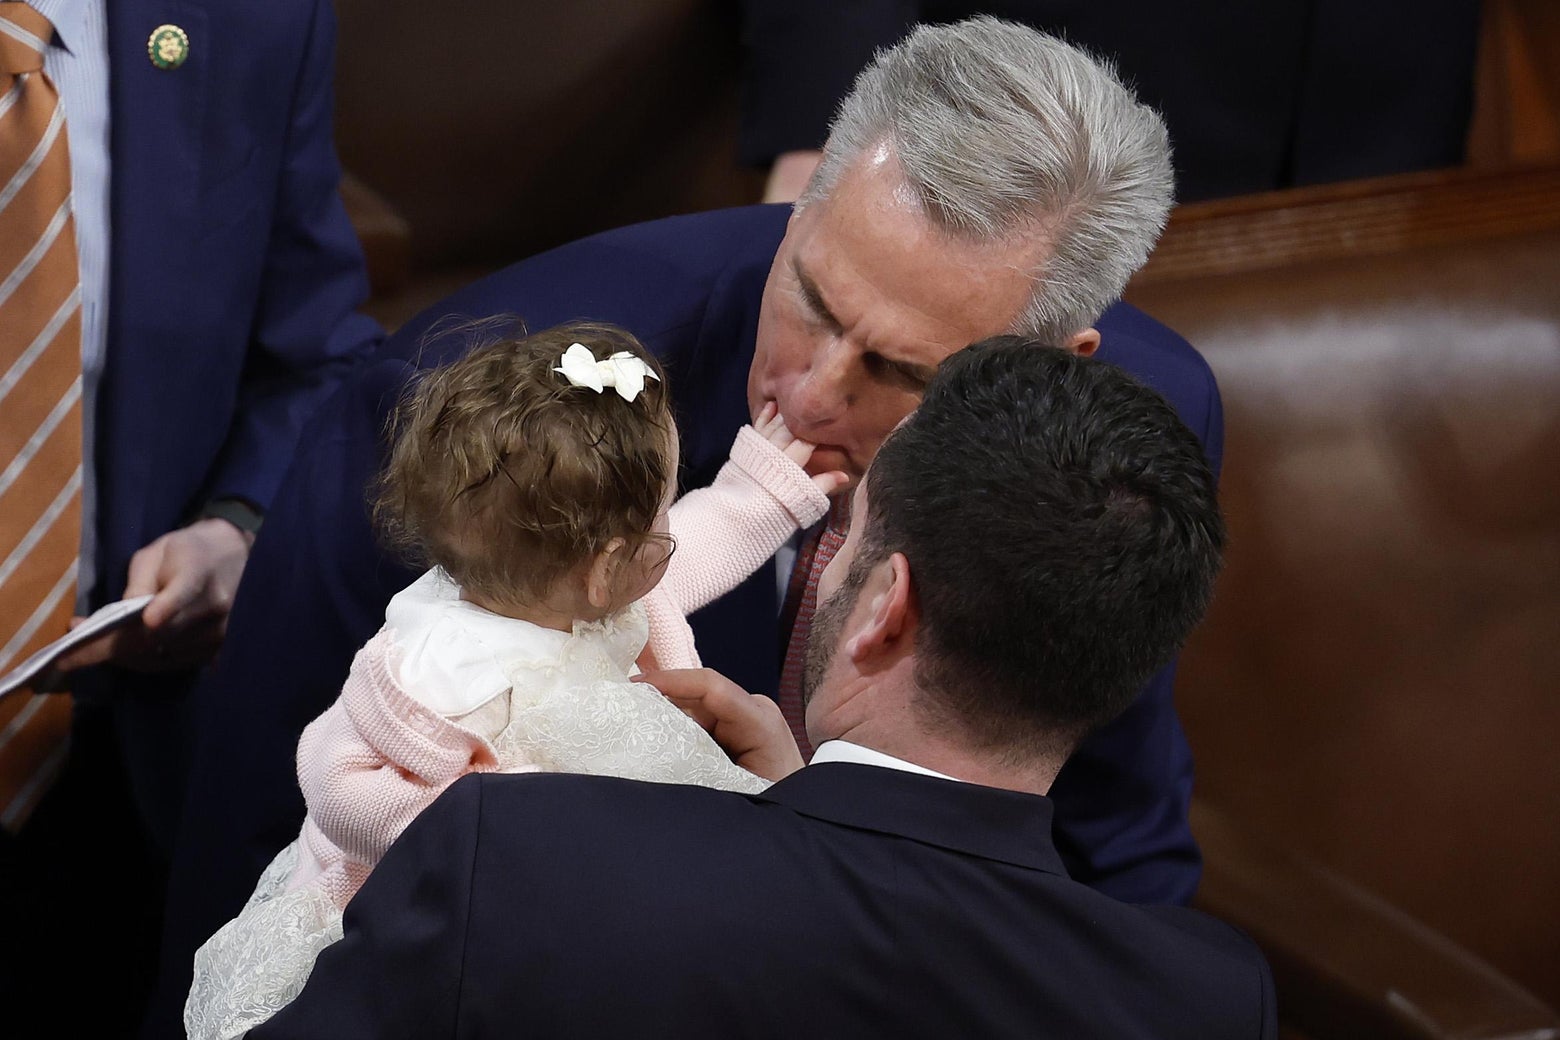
(775, 472)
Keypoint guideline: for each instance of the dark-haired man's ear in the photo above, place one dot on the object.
(601, 582)
(1084, 343)
(890, 614)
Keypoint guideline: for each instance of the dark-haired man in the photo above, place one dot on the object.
(904, 884)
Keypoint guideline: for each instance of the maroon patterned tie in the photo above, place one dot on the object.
(801, 602)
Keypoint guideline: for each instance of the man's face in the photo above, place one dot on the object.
(863, 302)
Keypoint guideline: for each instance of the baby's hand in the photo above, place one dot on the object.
(771, 426)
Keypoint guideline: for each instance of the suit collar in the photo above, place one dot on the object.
(1006, 826)
(157, 113)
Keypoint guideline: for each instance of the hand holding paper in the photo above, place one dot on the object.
(100, 624)
(191, 575)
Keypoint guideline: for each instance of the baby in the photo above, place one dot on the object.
(535, 476)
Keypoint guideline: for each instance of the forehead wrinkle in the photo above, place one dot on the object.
(933, 335)
(846, 316)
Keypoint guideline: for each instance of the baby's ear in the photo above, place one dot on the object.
(601, 582)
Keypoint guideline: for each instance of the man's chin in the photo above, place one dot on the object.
(826, 458)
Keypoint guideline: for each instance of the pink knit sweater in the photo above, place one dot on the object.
(368, 766)
(377, 757)
(724, 533)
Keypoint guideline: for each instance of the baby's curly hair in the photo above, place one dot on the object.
(508, 477)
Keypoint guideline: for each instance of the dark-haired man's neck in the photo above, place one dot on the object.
(903, 735)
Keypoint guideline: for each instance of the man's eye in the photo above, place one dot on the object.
(880, 367)
(812, 309)
(821, 320)
(816, 320)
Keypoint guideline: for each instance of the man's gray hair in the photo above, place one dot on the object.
(1004, 132)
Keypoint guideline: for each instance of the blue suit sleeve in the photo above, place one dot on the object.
(306, 332)
(1123, 797)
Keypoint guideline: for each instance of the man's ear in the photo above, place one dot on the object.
(600, 583)
(891, 614)
(1084, 343)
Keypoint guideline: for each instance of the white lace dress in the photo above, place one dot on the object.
(497, 694)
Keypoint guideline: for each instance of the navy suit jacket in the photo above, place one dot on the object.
(846, 901)
(235, 272)
(233, 281)
(689, 287)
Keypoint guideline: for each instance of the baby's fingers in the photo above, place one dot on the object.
(796, 449)
(770, 424)
(832, 482)
(768, 420)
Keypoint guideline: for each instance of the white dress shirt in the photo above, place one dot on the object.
(77, 63)
(845, 751)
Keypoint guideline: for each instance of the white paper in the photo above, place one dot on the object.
(104, 620)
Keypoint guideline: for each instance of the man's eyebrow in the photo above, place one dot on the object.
(813, 295)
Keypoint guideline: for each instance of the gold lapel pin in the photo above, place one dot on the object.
(168, 46)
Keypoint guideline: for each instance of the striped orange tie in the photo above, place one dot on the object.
(40, 403)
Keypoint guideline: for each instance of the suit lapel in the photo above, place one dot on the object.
(154, 190)
(155, 147)
(995, 824)
(737, 635)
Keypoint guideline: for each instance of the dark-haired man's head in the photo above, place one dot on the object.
(1029, 546)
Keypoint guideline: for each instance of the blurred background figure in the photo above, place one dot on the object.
(1257, 96)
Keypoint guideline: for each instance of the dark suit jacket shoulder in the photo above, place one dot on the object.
(847, 901)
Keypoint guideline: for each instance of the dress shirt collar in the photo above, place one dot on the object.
(69, 18)
(845, 751)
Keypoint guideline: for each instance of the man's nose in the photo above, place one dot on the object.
(824, 392)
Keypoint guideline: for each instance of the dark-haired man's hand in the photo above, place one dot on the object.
(749, 727)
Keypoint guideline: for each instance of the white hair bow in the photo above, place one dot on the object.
(623, 372)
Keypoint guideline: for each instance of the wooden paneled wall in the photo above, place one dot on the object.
(1377, 682)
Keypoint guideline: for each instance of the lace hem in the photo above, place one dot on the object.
(257, 963)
